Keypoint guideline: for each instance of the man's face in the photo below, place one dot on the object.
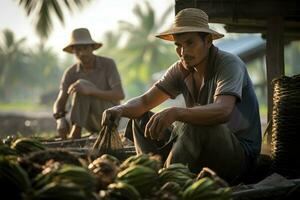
(83, 53)
(191, 49)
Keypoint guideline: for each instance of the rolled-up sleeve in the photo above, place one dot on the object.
(170, 82)
(230, 79)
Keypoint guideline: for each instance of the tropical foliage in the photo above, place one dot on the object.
(38, 68)
(13, 62)
(42, 12)
(142, 55)
(25, 72)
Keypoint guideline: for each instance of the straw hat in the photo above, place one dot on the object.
(81, 36)
(189, 20)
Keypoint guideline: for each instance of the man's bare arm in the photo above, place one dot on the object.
(60, 103)
(115, 94)
(135, 107)
(215, 113)
(139, 105)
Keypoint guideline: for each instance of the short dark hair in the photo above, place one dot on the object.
(203, 35)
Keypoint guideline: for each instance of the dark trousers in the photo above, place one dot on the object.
(197, 146)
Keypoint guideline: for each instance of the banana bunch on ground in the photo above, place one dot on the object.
(147, 160)
(35, 162)
(105, 168)
(58, 176)
(5, 150)
(169, 191)
(14, 181)
(78, 175)
(28, 171)
(144, 179)
(120, 191)
(27, 145)
(177, 173)
(206, 188)
(62, 190)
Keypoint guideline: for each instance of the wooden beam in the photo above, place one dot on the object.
(238, 9)
(274, 58)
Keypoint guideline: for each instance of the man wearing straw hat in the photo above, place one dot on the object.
(93, 82)
(220, 125)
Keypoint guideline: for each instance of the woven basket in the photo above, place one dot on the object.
(285, 146)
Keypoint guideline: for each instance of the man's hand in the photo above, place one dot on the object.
(62, 127)
(159, 122)
(82, 87)
(112, 115)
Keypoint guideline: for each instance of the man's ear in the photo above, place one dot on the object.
(208, 40)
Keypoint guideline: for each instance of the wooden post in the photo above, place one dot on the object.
(274, 58)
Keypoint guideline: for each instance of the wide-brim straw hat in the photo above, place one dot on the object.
(189, 20)
(81, 36)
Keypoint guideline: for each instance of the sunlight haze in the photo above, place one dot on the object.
(99, 16)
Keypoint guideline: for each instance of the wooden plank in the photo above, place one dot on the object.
(274, 58)
(290, 33)
(226, 11)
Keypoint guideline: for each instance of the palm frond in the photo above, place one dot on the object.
(29, 5)
(9, 38)
(46, 9)
(44, 23)
(58, 10)
(149, 19)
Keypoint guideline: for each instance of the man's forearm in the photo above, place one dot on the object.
(204, 115)
(60, 104)
(133, 108)
(108, 95)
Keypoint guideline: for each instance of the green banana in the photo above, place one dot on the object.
(141, 177)
(14, 180)
(124, 190)
(60, 191)
(74, 174)
(199, 187)
(27, 145)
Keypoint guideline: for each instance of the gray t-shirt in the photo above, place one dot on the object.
(104, 75)
(225, 74)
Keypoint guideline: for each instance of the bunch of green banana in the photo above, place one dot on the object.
(141, 177)
(179, 167)
(105, 169)
(60, 190)
(27, 145)
(14, 181)
(177, 173)
(206, 188)
(75, 174)
(147, 160)
(171, 188)
(121, 191)
(207, 172)
(5, 150)
(111, 158)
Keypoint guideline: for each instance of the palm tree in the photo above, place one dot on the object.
(43, 9)
(145, 54)
(13, 62)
